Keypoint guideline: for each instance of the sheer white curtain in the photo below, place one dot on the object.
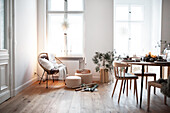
(137, 26)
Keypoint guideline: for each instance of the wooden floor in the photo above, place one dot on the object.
(58, 99)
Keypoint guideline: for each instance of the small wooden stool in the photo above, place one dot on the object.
(155, 84)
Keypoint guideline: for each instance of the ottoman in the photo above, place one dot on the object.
(86, 76)
(73, 81)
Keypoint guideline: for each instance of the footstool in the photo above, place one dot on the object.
(73, 81)
(85, 74)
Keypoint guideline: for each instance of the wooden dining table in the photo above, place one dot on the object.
(143, 64)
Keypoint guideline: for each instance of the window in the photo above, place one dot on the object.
(2, 27)
(137, 26)
(65, 27)
(129, 28)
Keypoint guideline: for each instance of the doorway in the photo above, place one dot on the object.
(6, 50)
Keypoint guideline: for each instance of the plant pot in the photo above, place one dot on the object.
(104, 75)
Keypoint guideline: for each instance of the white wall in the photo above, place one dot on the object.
(41, 17)
(98, 29)
(25, 43)
(166, 20)
(165, 34)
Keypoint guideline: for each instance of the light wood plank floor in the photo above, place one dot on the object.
(58, 99)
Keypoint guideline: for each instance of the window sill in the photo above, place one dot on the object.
(71, 57)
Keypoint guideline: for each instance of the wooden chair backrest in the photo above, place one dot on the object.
(119, 69)
(136, 57)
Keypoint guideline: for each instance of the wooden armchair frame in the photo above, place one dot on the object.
(49, 72)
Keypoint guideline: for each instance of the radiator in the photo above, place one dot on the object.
(72, 66)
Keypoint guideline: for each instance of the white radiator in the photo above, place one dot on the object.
(72, 66)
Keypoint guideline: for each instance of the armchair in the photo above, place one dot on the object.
(51, 66)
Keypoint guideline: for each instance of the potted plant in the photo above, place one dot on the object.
(104, 61)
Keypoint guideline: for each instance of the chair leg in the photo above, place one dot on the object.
(134, 87)
(47, 81)
(114, 87)
(53, 78)
(155, 87)
(130, 84)
(120, 91)
(165, 100)
(124, 86)
(136, 91)
(146, 82)
(127, 88)
(41, 77)
(148, 103)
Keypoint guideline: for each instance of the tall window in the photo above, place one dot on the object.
(65, 27)
(129, 28)
(2, 27)
(137, 26)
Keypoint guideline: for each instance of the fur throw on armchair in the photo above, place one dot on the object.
(165, 89)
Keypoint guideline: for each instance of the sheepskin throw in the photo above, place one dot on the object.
(165, 89)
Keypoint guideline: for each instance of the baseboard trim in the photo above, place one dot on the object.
(25, 85)
(28, 83)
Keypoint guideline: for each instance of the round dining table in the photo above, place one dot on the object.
(143, 64)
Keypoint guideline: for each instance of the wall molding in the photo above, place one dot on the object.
(25, 85)
(4, 95)
(4, 57)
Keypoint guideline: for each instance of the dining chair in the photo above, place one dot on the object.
(155, 84)
(146, 75)
(121, 74)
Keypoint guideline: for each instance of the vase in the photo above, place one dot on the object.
(104, 75)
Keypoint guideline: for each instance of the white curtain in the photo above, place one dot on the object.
(137, 26)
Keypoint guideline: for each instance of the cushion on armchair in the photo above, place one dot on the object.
(47, 64)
